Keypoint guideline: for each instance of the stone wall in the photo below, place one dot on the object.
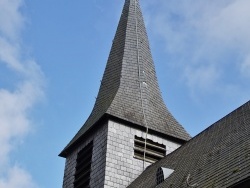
(98, 160)
(121, 166)
(113, 163)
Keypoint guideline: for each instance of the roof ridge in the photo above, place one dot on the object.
(224, 143)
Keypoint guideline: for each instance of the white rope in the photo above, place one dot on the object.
(140, 83)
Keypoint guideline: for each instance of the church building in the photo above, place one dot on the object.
(131, 139)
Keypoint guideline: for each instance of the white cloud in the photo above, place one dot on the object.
(201, 78)
(209, 40)
(9, 54)
(16, 104)
(245, 66)
(17, 177)
(11, 18)
(230, 24)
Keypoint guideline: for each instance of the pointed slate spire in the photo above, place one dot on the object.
(129, 89)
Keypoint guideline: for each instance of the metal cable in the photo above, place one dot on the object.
(140, 83)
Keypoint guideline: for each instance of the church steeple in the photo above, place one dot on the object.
(129, 89)
(129, 127)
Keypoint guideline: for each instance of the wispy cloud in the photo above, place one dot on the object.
(245, 66)
(17, 177)
(209, 41)
(16, 104)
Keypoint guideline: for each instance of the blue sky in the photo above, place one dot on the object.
(53, 54)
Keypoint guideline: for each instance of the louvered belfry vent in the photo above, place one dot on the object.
(83, 167)
(153, 151)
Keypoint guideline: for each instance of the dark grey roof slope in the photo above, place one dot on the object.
(217, 157)
(129, 88)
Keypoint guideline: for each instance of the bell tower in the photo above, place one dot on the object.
(129, 127)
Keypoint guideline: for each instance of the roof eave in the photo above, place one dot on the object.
(68, 149)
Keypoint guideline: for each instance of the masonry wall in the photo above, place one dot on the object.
(113, 162)
(121, 166)
(98, 160)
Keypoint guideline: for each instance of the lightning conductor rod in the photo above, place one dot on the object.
(140, 83)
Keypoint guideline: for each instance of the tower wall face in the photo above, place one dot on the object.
(113, 163)
(121, 166)
(99, 139)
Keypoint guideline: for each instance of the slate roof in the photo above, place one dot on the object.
(129, 89)
(217, 157)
